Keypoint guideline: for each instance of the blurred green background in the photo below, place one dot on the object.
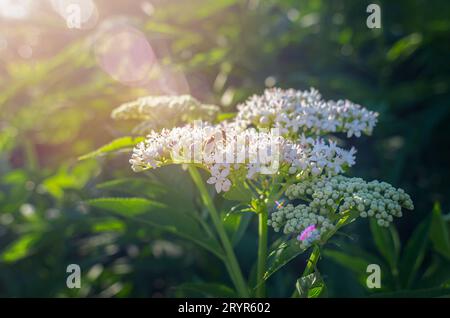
(58, 86)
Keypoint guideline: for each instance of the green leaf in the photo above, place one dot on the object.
(122, 143)
(74, 177)
(356, 261)
(309, 286)
(19, 248)
(281, 256)
(436, 273)
(159, 215)
(110, 225)
(238, 192)
(439, 232)
(243, 225)
(385, 244)
(414, 252)
(236, 224)
(126, 206)
(209, 289)
(15, 192)
(356, 264)
(136, 186)
(236, 221)
(15, 177)
(395, 240)
(316, 292)
(230, 221)
(404, 47)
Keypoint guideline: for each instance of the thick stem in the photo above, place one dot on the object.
(262, 252)
(263, 215)
(231, 261)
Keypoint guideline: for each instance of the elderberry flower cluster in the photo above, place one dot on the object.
(330, 197)
(275, 133)
(228, 152)
(157, 112)
(296, 112)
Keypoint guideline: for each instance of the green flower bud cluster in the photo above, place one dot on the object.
(329, 195)
(295, 220)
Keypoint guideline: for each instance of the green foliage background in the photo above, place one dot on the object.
(56, 107)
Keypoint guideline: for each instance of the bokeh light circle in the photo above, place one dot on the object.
(124, 53)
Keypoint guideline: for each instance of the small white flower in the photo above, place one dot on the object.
(219, 178)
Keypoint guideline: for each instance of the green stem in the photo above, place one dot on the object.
(262, 252)
(310, 266)
(312, 261)
(231, 261)
(263, 215)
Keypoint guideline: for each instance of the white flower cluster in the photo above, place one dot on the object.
(323, 157)
(294, 112)
(226, 151)
(164, 111)
(268, 136)
(303, 220)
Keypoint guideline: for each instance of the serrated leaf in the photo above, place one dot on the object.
(114, 146)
